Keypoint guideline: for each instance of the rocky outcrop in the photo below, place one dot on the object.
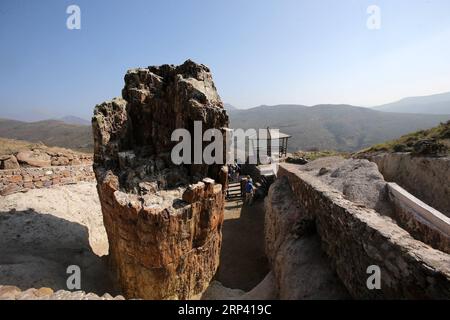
(31, 166)
(357, 179)
(163, 220)
(34, 159)
(8, 162)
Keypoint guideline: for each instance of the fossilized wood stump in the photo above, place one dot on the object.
(163, 220)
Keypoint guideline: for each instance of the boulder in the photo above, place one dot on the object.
(8, 162)
(296, 160)
(34, 158)
(430, 147)
(60, 161)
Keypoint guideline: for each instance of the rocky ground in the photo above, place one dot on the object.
(358, 180)
(44, 231)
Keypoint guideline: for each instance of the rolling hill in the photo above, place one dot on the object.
(75, 120)
(333, 127)
(323, 127)
(433, 104)
(50, 132)
(437, 137)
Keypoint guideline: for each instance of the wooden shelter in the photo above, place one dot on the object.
(263, 143)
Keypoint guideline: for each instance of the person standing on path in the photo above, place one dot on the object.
(249, 189)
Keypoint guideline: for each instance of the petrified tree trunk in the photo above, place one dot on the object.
(163, 221)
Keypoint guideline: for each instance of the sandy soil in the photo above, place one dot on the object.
(44, 231)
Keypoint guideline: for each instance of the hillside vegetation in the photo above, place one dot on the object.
(434, 140)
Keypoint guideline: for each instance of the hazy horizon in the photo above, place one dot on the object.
(61, 116)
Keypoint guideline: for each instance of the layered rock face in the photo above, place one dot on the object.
(44, 157)
(163, 220)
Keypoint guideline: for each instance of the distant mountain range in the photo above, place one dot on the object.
(50, 132)
(434, 104)
(75, 120)
(333, 127)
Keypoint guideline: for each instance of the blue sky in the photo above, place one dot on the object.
(260, 52)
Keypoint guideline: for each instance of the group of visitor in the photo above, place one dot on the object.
(247, 186)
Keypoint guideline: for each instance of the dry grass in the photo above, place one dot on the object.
(12, 146)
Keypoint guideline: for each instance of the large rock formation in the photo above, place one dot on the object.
(8, 162)
(163, 220)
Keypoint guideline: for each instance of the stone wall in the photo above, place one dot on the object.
(355, 237)
(301, 270)
(24, 179)
(42, 156)
(427, 178)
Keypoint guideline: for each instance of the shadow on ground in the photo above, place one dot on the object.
(37, 248)
(243, 263)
